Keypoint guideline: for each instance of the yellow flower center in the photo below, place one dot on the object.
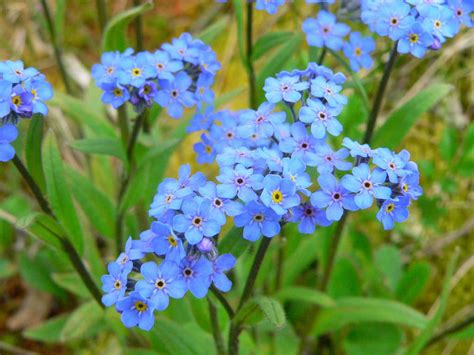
(414, 38)
(136, 71)
(405, 188)
(357, 51)
(117, 284)
(258, 217)
(117, 92)
(208, 149)
(172, 241)
(16, 100)
(146, 89)
(437, 23)
(277, 196)
(34, 93)
(160, 284)
(140, 306)
(390, 207)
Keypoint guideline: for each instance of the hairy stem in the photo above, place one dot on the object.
(236, 328)
(66, 244)
(250, 68)
(57, 50)
(101, 13)
(380, 95)
(216, 331)
(220, 297)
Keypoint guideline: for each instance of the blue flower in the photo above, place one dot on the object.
(196, 221)
(174, 95)
(324, 31)
(440, 20)
(202, 120)
(366, 185)
(270, 6)
(182, 48)
(115, 94)
(223, 263)
(258, 220)
(208, 62)
(185, 179)
(21, 101)
(327, 160)
(462, 11)
(239, 181)
(144, 245)
(308, 217)
(8, 133)
(165, 67)
(126, 258)
(358, 50)
(329, 90)
(393, 210)
(321, 117)
(169, 196)
(220, 206)
(197, 275)
(166, 243)
(136, 310)
(14, 71)
(286, 88)
(332, 196)
(260, 122)
(301, 145)
(203, 89)
(279, 194)
(295, 170)
(136, 70)
(41, 91)
(393, 164)
(160, 283)
(357, 149)
(114, 284)
(5, 97)
(410, 185)
(415, 41)
(206, 153)
(109, 70)
(393, 20)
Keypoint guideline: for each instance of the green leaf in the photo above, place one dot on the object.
(47, 332)
(59, 194)
(353, 310)
(115, 32)
(268, 42)
(400, 121)
(81, 320)
(34, 160)
(100, 209)
(104, 146)
(464, 334)
(36, 273)
(72, 283)
(233, 243)
(7, 269)
(277, 62)
(449, 143)
(210, 33)
(389, 262)
(360, 339)
(413, 282)
(45, 229)
(59, 17)
(344, 280)
(254, 310)
(305, 294)
(422, 339)
(83, 114)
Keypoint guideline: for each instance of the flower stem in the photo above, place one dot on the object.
(450, 330)
(123, 124)
(322, 56)
(138, 28)
(57, 50)
(236, 328)
(380, 94)
(101, 13)
(66, 244)
(250, 68)
(216, 331)
(220, 297)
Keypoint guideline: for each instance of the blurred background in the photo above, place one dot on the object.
(441, 141)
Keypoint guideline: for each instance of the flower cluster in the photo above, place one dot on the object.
(264, 183)
(325, 31)
(189, 213)
(23, 92)
(417, 25)
(177, 76)
(271, 6)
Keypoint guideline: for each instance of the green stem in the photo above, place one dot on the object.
(138, 28)
(380, 95)
(216, 331)
(66, 244)
(135, 131)
(236, 328)
(322, 56)
(451, 330)
(123, 124)
(57, 50)
(223, 301)
(250, 68)
(101, 13)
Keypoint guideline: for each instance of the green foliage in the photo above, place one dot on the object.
(373, 338)
(258, 308)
